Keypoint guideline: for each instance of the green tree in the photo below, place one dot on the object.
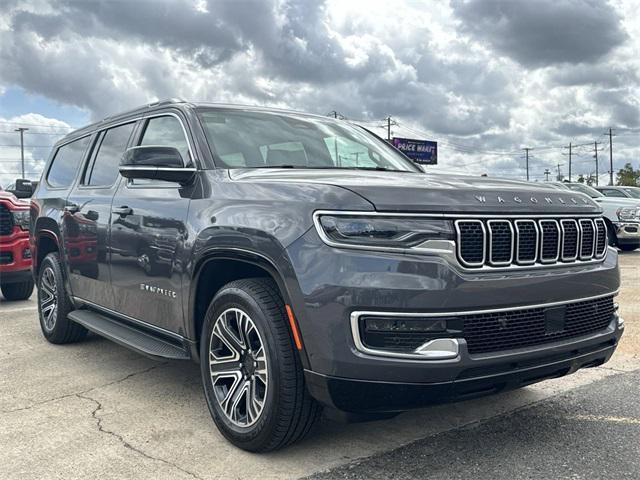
(627, 176)
(580, 178)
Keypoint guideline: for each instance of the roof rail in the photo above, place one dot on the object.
(168, 101)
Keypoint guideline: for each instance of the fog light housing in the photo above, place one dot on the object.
(26, 253)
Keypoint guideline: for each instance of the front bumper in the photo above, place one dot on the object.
(15, 257)
(628, 233)
(467, 377)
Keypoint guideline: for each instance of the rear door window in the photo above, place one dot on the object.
(66, 163)
(103, 170)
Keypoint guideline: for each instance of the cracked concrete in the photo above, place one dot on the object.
(95, 410)
(124, 443)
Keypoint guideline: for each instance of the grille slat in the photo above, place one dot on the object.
(500, 242)
(506, 242)
(587, 243)
(490, 332)
(471, 242)
(6, 220)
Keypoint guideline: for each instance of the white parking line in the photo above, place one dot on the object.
(606, 418)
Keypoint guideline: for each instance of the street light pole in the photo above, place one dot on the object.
(22, 130)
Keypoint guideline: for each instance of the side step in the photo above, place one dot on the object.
(128, 336)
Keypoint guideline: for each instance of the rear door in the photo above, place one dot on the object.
(148, 234)
(87, 217)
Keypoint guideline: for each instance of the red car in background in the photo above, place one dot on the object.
(15, 255)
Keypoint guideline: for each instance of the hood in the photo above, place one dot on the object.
(620, 202)
(429, 192)
(5, 195)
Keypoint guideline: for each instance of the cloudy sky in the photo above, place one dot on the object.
(483, 78)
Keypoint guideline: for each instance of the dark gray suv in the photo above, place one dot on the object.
(306, 263)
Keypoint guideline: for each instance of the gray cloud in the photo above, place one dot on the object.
(543, 32)
(463, 85)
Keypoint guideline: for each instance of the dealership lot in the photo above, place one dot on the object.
(96, 410)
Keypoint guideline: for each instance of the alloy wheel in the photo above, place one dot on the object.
(238, 367)
(48, 299)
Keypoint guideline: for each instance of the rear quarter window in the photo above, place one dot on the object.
(66, 163)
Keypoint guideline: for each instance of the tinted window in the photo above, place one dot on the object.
(273, 140)
(613, 193)
(166, 132)
(634, 192)
(104, 170)
(66, 163)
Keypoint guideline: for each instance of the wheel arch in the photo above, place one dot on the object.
(235, 264)
(46, 240)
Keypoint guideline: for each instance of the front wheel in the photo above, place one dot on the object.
(18, 290)
(54, 304)
(252, 376)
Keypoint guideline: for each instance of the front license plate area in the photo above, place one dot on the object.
(554, 319)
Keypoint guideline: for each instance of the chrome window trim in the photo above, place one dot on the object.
(490, 231)
(459, 245)
(557, 256)
(578, 239)
(600, 223)
(535, 257)
(593, 243)
(360, 347)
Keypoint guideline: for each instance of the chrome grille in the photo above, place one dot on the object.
(570, 239)
(549, 241)
(601, 237)
(588, 238)
(505, 242)
(472, 250)
(500, 242)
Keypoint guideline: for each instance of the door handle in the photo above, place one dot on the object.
(122, 211)
(71, 208)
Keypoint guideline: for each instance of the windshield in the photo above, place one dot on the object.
(243, 139)
(634, 192)
(586, 189)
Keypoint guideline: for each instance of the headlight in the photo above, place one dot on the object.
(381, 231)
(21, 218)
(628, 213)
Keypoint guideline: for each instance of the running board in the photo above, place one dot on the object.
(128, 336)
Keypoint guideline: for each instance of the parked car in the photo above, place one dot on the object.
(620, 192)
(307, 264)
(16, 282)
(623, 215)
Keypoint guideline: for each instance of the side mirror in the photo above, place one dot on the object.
(24, 188)
(155, 163)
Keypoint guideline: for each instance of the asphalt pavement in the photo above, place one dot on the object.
(95, 410)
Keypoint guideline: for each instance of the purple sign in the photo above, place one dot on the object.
(424, 152)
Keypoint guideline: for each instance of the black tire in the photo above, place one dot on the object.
(288, 411)
(627, 248)
(56, 328)
(17, 291)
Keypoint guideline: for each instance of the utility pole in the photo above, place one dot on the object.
(526, 153)
(611, 135)
(22, 130)
(559, 174)
(389, 129)
(570, 153)
(595, 149)
(547, 172)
